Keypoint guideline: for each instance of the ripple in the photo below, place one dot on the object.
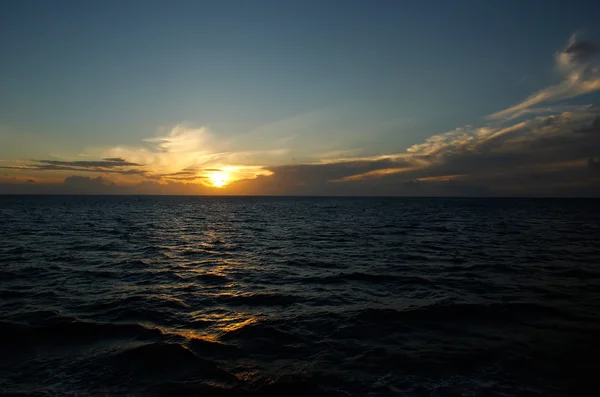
(298, 296)
(164, 358)
(259, 299)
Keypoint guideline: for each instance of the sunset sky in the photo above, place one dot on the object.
(416, 98)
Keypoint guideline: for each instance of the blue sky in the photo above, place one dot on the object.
(364, 77)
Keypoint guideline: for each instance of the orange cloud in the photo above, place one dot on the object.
(375, 174)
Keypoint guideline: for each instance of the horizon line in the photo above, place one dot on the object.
(289, 196)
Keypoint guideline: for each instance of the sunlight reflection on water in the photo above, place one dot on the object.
(346, 293)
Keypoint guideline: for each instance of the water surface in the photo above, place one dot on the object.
(296, 296)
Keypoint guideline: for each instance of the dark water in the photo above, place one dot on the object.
(199, 296)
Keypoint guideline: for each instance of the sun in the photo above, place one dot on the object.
(218, 179)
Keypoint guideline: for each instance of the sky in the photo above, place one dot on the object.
(328, 97)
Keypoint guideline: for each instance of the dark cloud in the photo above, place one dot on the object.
(106, 163)
(580, 50)
(542, 158)
(115, 159)
(14, 167)
(339, 170)
(87, 185)
(312, 179)
(594, 128)
(86, 169)
(76, 184)
(115, 165)
(554, 156)
(542, 146)
(184, 178)
(180, 173)
(400, 184)
(188, 174)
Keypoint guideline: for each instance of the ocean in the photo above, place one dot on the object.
(276, 296)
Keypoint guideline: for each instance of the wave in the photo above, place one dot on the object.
(203, 346)
(142, 314)
(134, 263)
(40, 317)
(272, 388)
(18, 251)
(200, 253)
(211, 278)
(259, 299)
(163, 359)
(161, 276)
(312, 263)
(155, 310)
(112, 304)
(109, 246)
(432, 298)
(438, 229)
(8, 275)
(12, 294)
(368, 277)
(459, 314)
(578, 273)
(70, 331)
(252, 332)
(64, 257)
(412, 257)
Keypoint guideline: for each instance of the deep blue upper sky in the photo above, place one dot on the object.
(99, 72)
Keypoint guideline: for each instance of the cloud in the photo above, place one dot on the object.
(579, 65)
(77, 184)
(85, 184)
(530, 144)
(375, 173)
(529, 149)
(195, 151)
(183, 153)
(553, 155)
(576, 52)
(107, 165)
(116, 160)
(176, 150)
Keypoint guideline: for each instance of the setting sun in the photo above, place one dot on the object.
(218, 179)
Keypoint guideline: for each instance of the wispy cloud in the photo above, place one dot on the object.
(553, 153)
(115, 165)
(375, 173)
(181, 154)
(187, 153)
(579, 65)
(530, 148)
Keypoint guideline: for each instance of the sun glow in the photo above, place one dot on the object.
(218, 179)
